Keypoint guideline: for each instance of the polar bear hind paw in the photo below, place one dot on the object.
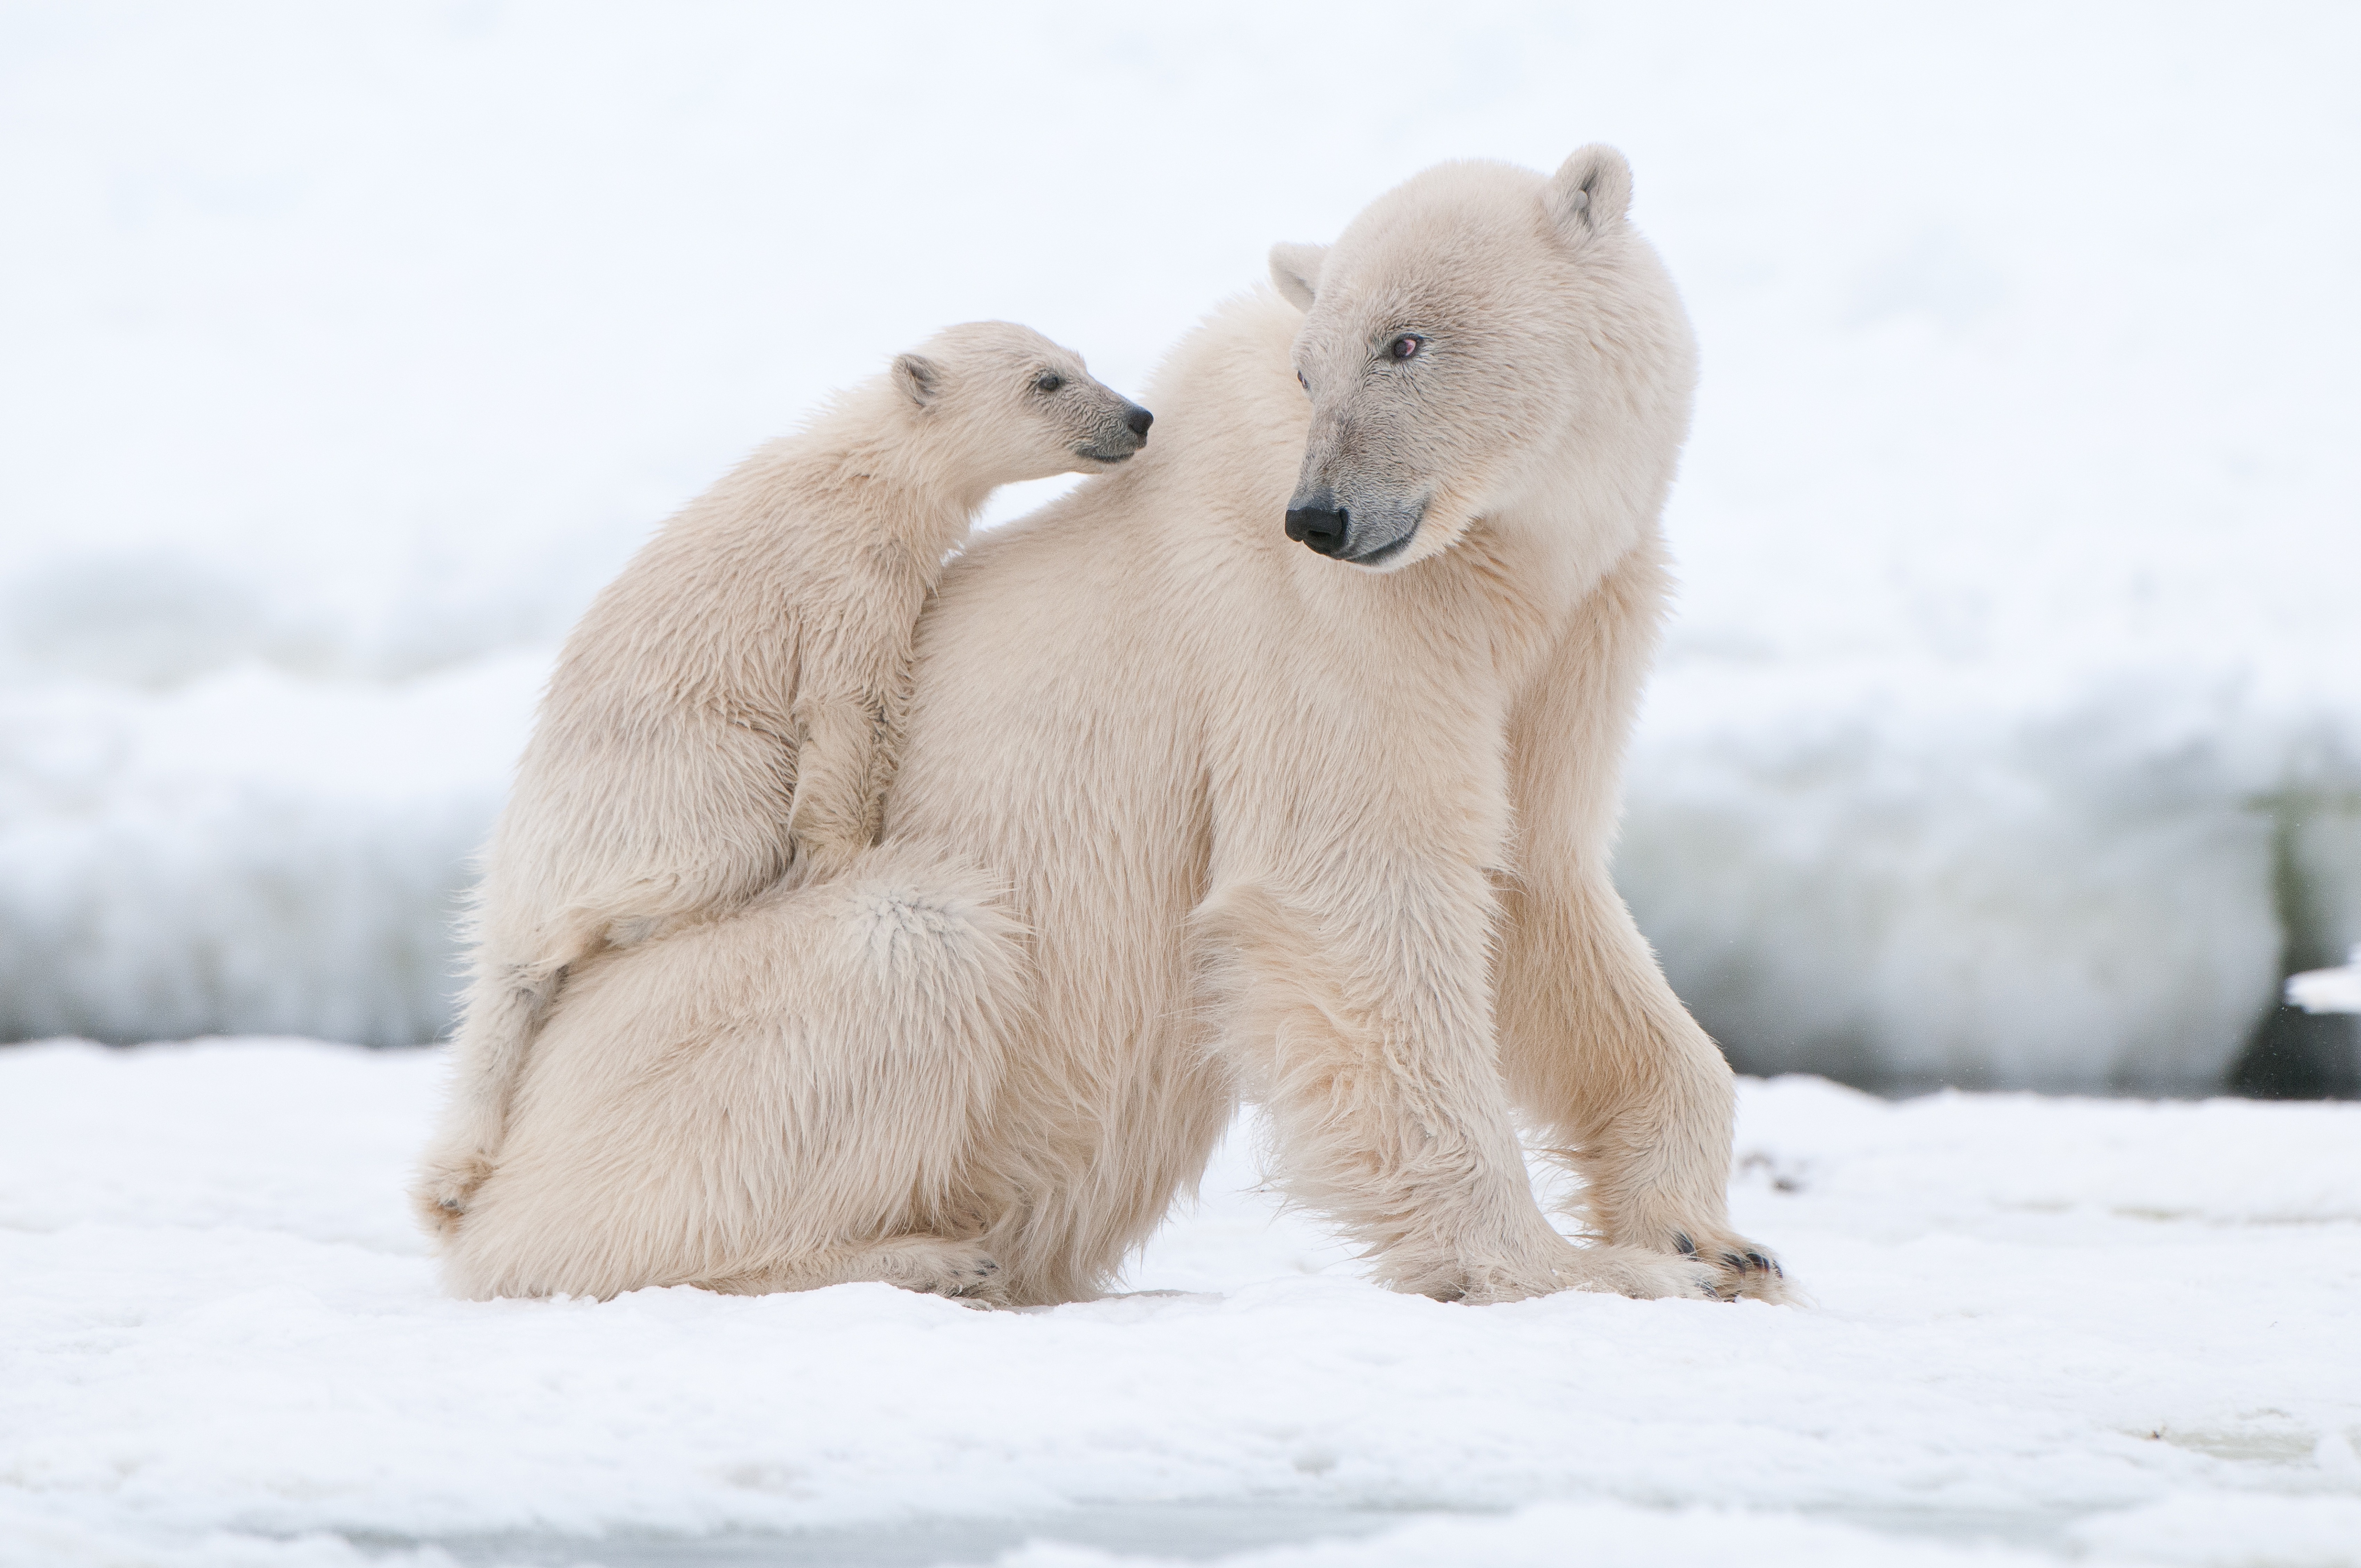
(932, 1266)
(962, 1271)
(975, 1277)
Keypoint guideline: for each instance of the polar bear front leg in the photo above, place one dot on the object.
(838, 774)
(1597, 1048)
(849, 711)
(1389, 1112)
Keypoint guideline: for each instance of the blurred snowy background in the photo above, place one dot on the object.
(2009, 733)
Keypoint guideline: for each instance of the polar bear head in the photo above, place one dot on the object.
(1485, 343)
(1002, 403)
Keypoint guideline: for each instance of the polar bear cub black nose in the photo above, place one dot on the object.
(1138, 419)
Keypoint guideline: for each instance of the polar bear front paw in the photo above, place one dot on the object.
(1609, 1270)
(1741, 1269)
(1645, 1276)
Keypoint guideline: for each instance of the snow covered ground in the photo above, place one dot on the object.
(2009, 733)
(2044, 1331)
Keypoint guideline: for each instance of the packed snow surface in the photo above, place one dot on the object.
(2008, 731)
(2040, 1331)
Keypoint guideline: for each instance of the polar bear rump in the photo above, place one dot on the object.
(783, 1103)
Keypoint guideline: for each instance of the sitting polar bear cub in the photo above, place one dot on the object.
(1279, 766)
(730, 704)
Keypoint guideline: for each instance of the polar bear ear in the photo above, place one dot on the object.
(1590, 189)
(1296, 269)
(916, 377)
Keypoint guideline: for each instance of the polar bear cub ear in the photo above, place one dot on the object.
(916, 377)
(1296, 269)
(1590, 189)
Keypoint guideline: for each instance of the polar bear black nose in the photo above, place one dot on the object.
(1139, 419)
(1320, 528)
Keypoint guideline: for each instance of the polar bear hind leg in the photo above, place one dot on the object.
(787, 1099)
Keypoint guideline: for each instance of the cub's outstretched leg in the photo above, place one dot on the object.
(842, 770)
(849, 707)
(854, 680)
(503, 1010)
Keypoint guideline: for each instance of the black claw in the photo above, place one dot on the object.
(1758, 1260)
(1731, 1260)
(1681, 1244)
(1776, 1269)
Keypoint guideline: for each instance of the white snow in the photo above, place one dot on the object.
(2042, 1330)
(2008, 732)
(2328, 990)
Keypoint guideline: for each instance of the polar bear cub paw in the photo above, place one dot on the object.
(446, 1180)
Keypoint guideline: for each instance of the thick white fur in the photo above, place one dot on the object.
(779, 1133)
(1261, 823)
(728, 710)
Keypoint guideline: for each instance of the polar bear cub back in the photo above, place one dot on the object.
(728, 710)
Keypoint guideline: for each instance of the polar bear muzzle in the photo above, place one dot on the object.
(1118, 433)
(1364, 536)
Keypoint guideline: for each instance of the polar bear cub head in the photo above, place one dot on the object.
(1012, 405)
(1485, 343)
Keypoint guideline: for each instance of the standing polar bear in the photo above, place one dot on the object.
(730, 704)
(1189, 812)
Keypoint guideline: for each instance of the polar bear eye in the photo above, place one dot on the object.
(1302, 382)
(1047, 381)
(1406, 345)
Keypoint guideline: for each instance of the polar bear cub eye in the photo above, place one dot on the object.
(1405, 347)
(1047, 381)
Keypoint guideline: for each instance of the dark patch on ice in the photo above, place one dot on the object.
(2296, 1055)
(1189, 1531)
(2292, 1054)
(1186, 1531)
